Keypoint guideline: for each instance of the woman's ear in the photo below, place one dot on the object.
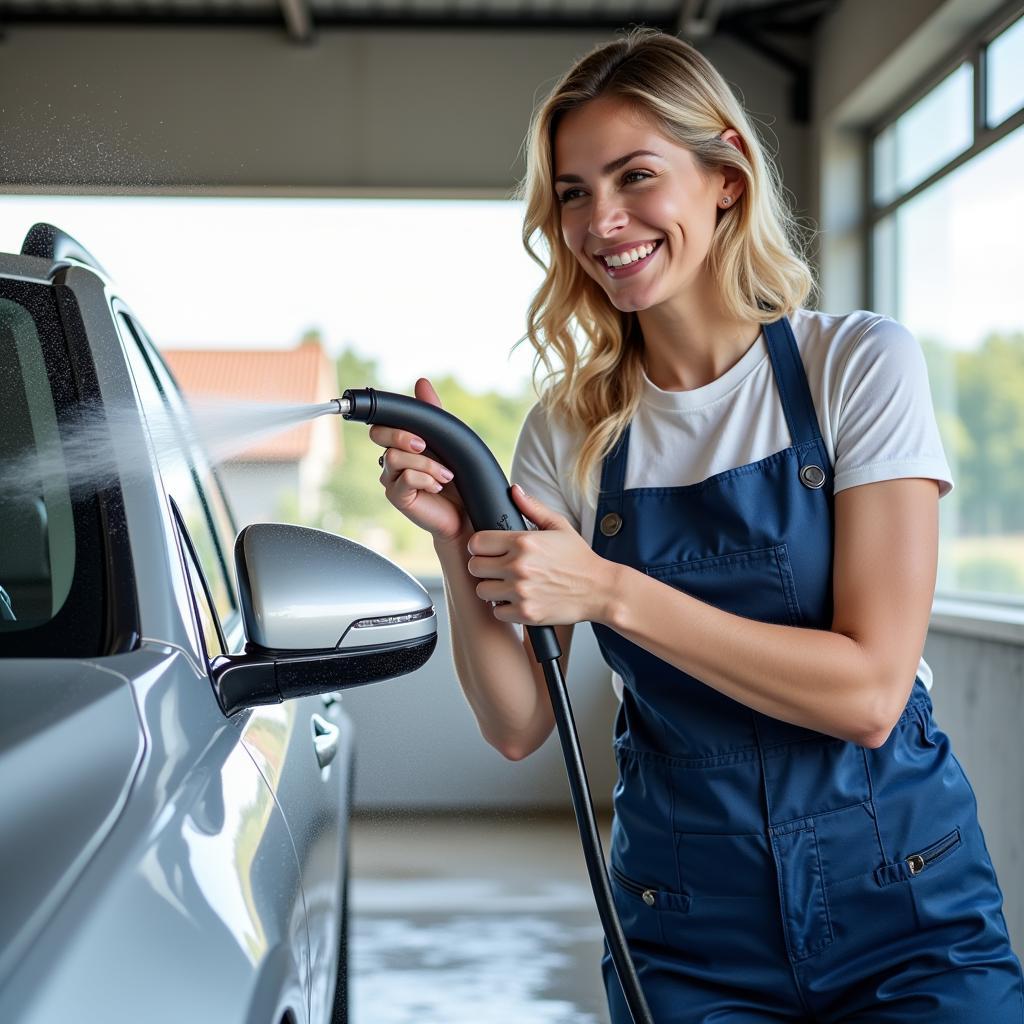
(733, 182)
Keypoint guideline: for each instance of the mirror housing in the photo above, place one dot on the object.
(321, 613)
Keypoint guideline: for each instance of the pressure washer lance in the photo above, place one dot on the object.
(485, 493)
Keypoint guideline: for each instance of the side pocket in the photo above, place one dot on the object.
(808, 923)
(920, 861)
(640, 907)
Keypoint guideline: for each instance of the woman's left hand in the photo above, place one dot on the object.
(548, 576)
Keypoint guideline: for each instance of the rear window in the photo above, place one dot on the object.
(51, 578)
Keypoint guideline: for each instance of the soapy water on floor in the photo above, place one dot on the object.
(465, 951)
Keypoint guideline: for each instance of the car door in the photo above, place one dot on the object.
(302, 747)
(261, 867)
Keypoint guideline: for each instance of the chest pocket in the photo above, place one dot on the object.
(757, 583)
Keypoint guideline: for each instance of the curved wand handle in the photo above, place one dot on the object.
(482, 483)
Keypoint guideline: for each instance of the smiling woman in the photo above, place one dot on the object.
(740, 494)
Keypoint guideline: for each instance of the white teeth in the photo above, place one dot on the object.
(622, 259)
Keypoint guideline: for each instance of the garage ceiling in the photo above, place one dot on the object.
(692, 19)
(778, 30)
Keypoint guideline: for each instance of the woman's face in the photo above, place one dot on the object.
(658, 197)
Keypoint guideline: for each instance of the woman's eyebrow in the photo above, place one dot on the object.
(613, 166)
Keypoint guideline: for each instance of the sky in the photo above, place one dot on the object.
(425, 287)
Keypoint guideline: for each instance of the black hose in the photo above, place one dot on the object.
(485, 492)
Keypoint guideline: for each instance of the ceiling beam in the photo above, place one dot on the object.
(698, 19)
(161, 12)
(298, 19)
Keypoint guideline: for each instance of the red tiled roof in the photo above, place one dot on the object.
(298, 375)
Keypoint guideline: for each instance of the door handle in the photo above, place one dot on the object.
(325, 739)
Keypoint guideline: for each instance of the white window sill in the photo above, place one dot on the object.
(981, 620)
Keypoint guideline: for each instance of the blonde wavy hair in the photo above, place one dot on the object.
(755, 254)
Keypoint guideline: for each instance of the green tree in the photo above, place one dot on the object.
(990, 403)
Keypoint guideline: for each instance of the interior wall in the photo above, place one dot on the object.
(365, 109)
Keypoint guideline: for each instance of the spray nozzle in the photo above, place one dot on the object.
(342, 406)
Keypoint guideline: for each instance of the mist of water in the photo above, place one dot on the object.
(107, 444)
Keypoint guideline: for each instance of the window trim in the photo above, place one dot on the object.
(978, 619)
(188, 551)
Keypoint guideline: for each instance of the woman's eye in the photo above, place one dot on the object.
(569, 193)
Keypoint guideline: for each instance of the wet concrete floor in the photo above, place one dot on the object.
(473, 918)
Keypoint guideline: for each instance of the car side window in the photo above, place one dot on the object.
(37, 539)
(37, 536)
(182, 469)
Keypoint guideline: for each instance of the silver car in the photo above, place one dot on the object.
(175, 764)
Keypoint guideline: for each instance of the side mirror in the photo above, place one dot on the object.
(321, 613)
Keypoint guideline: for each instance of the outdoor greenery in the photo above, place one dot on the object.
(979, 404)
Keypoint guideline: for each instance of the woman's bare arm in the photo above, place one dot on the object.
(503, 683)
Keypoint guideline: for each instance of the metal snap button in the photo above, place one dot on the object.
(648, 897)
(611, 524)
(812, 476)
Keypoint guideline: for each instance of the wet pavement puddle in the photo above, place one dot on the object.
(468, 951)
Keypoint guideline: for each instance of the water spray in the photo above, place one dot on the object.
(485, 493)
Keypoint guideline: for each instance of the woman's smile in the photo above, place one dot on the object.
(638, 259)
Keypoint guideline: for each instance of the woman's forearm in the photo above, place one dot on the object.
(491, 664)
(814, 678)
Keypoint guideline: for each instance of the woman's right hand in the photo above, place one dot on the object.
(418, 486)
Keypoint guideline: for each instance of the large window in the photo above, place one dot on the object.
(946, 227)
(388, 290)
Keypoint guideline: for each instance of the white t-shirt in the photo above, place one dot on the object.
(869, 383)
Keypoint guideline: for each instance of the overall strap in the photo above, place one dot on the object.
(791, 379)
(613, 475)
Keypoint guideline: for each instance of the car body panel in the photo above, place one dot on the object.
(280, 739)
(192, 907)
(73, 721)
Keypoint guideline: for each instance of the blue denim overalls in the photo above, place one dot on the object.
(762, 871)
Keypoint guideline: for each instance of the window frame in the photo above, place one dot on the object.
(229, 624)
(991, 617)
(971, 51)
(190, 557)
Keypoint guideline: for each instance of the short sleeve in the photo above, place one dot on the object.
(535, 464)
(886, 426)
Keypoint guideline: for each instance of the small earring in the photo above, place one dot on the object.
(726, 200)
